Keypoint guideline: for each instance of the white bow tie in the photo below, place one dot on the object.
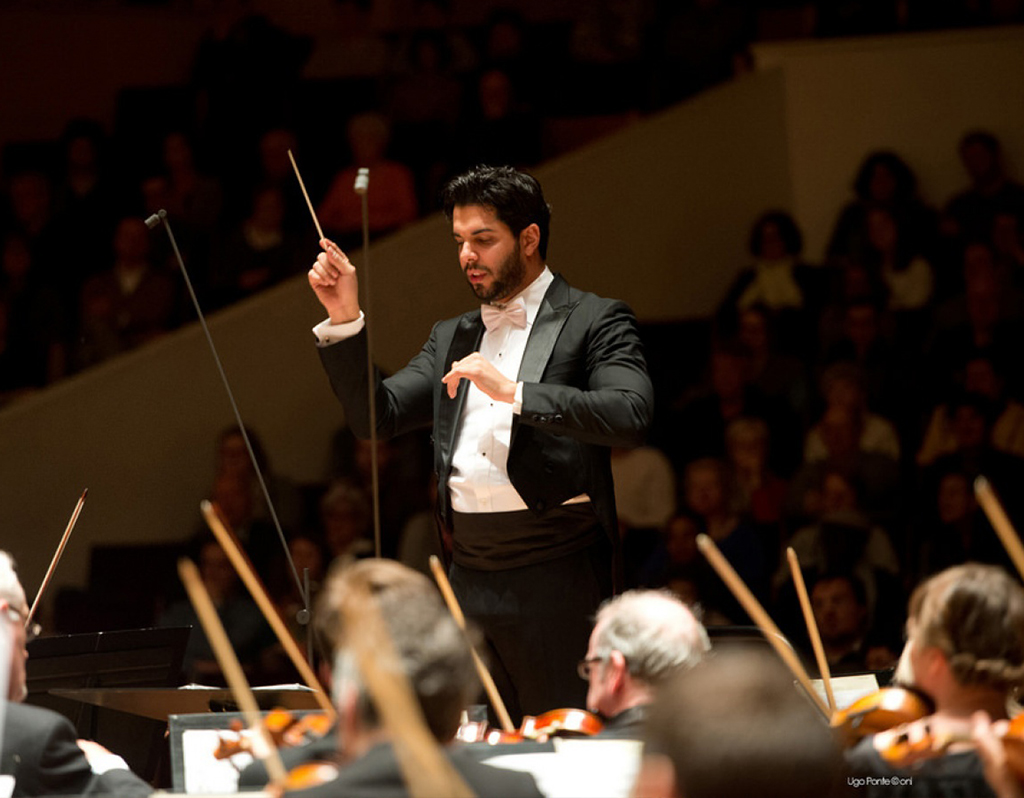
(496, 316)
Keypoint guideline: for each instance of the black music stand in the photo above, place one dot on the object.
(132, 658)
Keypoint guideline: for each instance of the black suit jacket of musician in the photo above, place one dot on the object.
(585, 389)
(40, 751)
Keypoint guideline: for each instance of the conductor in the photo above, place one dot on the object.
(525, 395)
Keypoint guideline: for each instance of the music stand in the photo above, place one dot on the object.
(193, 740)
(131, 658)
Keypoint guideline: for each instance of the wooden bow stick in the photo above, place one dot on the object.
(230, 666)
(56, 557)
(812, 627)
(485, 676)
(1000, 522)
(240, 560)
(760, 617)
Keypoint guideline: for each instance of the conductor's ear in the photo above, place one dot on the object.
(529, 239)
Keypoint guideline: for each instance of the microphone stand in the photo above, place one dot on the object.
(361, 187)
(303, 615)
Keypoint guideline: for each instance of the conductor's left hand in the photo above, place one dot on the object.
(482, 373)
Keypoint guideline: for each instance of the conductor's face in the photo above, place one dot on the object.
(489, 253)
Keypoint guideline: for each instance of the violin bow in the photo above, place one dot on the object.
(485, 676)
(361, 187)
(1000, 522)
(229, 542)
(56, 557)
(427, 772)
(754, 609)
(230, 666)
(812, 628)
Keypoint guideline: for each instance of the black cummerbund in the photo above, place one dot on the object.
(499, 541)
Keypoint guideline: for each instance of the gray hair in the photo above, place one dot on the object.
(656, 633)
(11, 590)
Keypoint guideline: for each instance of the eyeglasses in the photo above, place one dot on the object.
(32, 631)
(585, 666)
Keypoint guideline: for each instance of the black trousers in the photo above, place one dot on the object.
(536, 621)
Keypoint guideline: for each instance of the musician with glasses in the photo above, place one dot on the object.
(640, 639)
(38, 748)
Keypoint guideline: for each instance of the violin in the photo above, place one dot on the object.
(910, 743)
(880, 711)
(539, 728)
(285, 730)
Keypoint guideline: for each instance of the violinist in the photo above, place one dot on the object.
(640, 638)
(40, 750)
(965, 651)
(437, 661)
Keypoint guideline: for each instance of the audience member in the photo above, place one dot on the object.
(84, 200)
(884, 182)
(970, 214)
(697, 428)
(981, 376)
(254, 255)
(760, 493)
(497, 126)
(778, 375)
(842, 385)
(231, 458)
(34, 328)
(778, 281)
(347, 519)
(708, 494)
(842, 538)
(953, 530)
(247, 630)
(645, 498)
(130, 303)
(839, 603)
(392, 200)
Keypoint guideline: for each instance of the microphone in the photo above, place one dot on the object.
(156, 218)
(362, 181)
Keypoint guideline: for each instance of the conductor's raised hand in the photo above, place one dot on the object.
(482, 373)
(333, 280)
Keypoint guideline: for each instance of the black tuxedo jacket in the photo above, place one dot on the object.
(40, 751)
(585, 389)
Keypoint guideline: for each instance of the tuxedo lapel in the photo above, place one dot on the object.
(465, 341)
(554, 310)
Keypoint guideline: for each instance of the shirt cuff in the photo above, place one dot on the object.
(101, 763)
(517, 402)
(327, 333)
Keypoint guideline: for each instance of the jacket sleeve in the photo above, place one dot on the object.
(613, 403)
(403, 401)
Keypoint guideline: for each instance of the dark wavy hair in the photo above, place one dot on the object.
(515, 197)
(788, 230)
(906, 181)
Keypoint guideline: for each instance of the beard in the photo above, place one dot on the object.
(507, 279)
